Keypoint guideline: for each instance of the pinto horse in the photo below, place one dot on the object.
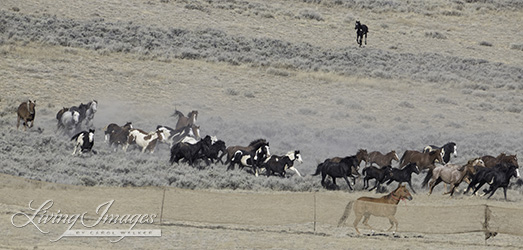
(143, 139)
(381, 159)
(278, 164)
(449, 149)
(26, 112)
(253, 145)
(454, 174)
(252, 158)
(385, 206)
(361, 30)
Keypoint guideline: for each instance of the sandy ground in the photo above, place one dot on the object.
(58, 76)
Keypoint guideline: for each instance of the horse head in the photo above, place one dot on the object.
(75, 116)
(402, 193)
(362, 155)
(31, 106)
(358, 25)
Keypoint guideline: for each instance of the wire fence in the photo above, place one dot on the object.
(311, 211)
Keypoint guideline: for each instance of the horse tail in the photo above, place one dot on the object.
(427, 178)
(345, 213)
(318, 169)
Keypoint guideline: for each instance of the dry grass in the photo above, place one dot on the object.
(287, 71)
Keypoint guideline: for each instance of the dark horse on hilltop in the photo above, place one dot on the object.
(341, 168)
(361, 30)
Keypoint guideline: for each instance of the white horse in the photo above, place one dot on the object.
(69, 122)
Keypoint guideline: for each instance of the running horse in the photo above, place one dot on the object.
(382, 207)
(26, 113)
(454, 174)
(361, 30)
(184, 121)
(383, 159)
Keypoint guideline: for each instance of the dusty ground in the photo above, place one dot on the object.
(322, 108)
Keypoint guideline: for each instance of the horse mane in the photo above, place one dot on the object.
(178, 113)
(257, 142)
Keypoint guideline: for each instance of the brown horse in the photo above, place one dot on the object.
(491, 161)
(184, 121)
(382, 207)
(381, 159)
(26, 112)
(422, 160)
(454, 174)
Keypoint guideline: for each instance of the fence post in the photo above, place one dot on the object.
(488, 233)
(161, 209)
(315, 211)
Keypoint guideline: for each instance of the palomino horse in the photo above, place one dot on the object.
(361, 30)
(183, 121)
(26, 112)
(381, 159)
(448, 149)
(491, 161)
(453, 174)
(382, 207)
(422, 160)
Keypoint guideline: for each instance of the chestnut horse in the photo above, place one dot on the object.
(422, 160)
(491, 161)
(381, 159)
(382, 207)
(26, 113)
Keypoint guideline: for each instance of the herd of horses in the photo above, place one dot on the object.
(187, 145)
(435, 161)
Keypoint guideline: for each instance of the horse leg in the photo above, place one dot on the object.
(357, 221)
(393, 221)
(366, 221)
(347, 180)
(410, 185)
(505, 193)
(492, 191)
(365, 38)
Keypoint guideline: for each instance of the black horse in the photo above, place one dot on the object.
(346, 167)
(381, 175)
(497, 176)
(361, 30)
(278, 165)
(404, 174)
(215, 149)
(191, 152)
(449, 149)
